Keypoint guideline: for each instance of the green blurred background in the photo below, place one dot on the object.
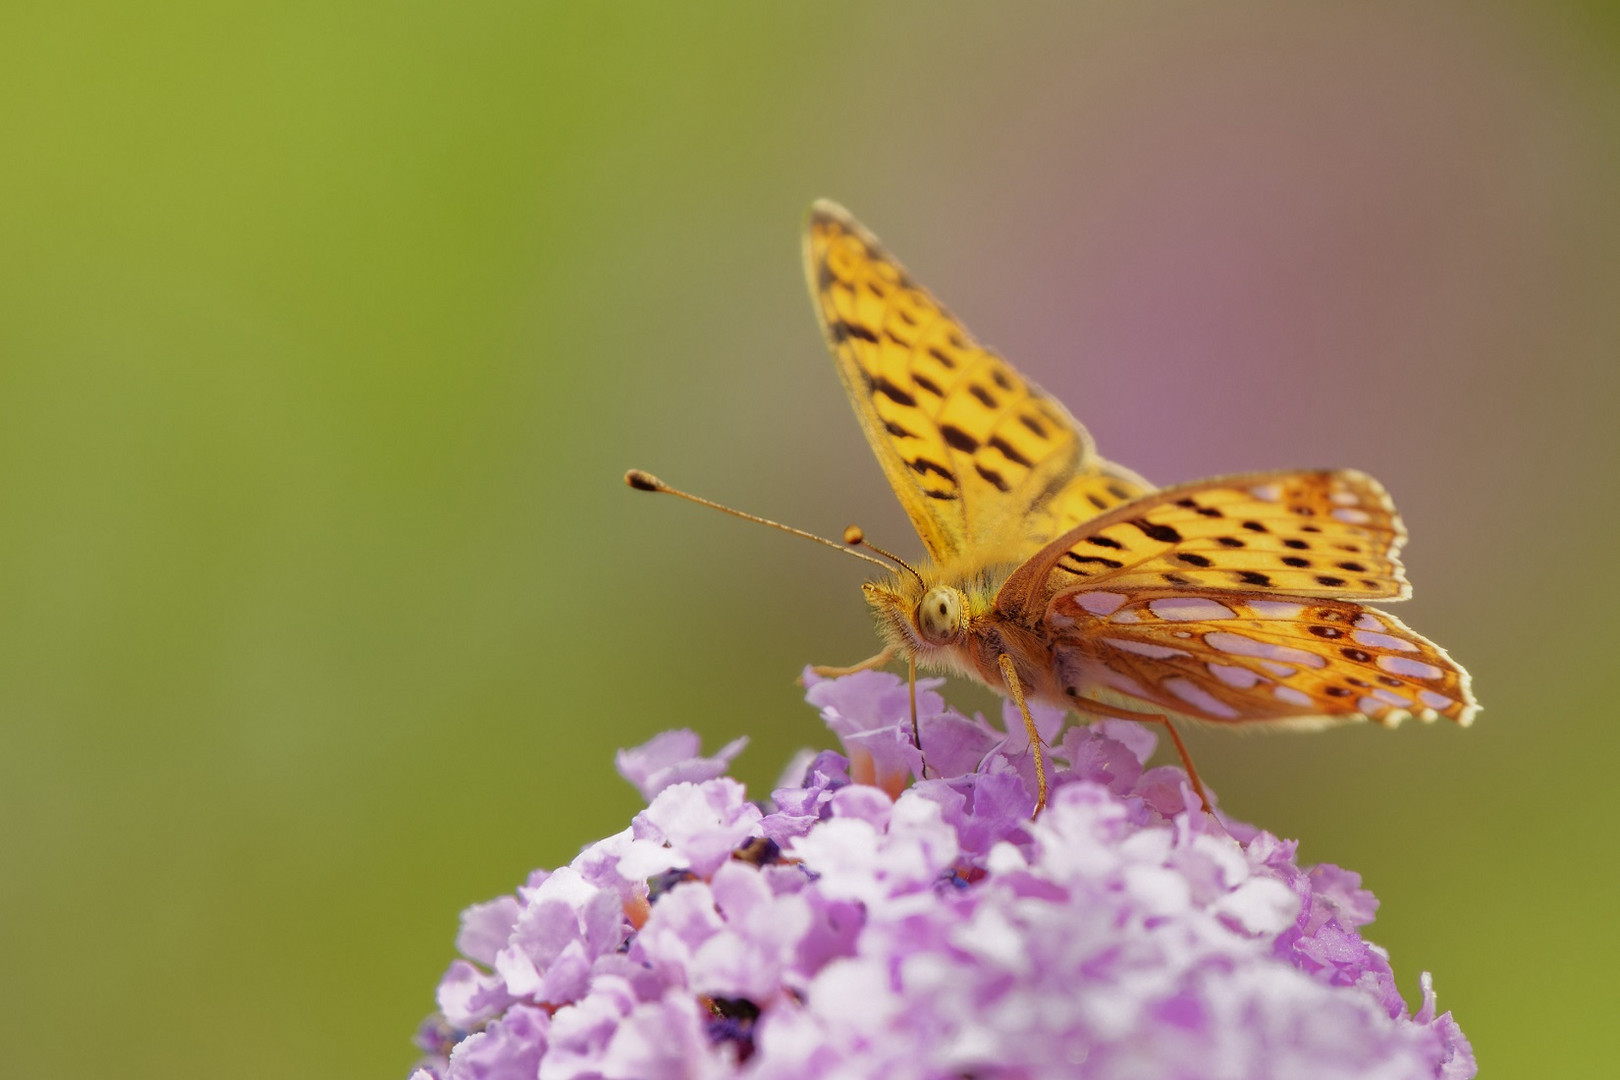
(327, 331)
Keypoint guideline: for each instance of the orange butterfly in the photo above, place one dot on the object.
(1055, 574)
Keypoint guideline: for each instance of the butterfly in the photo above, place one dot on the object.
(1057, 575)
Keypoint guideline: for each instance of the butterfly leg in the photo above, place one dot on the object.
(829, 672)
(916, 729)
(1010, 674)
(1114, 711)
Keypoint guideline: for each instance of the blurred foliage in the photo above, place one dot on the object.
(327, 330)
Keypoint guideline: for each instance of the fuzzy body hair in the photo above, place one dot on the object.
(986, 632)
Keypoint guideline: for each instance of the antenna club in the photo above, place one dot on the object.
(854, 537)
(643, 481)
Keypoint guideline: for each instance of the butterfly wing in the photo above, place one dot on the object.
(1234, 658)
(980, 458)
(1232, 600)
(1330, 534)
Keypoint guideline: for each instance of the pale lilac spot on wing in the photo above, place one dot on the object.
(1370, 705)
(1267, 492)
(1390, 697)
(1290, 695)
(1239, 678)
(1344, 498)
(1352, 516)
(1369, 621)
(1115, 680)
(1434, 700)
(1238, 645)
(1196, 695)
(1099, 603)
(1370, 640)
(1189, 609)
(1401, 665)
(1126, 616)
(1282, 671)
(1144, 648)
(1275, 609)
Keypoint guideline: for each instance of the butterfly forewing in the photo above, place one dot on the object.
(1312, 534)
(980, 458)
(1231, 657)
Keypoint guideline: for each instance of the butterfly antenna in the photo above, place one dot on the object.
(854, 537)
(643, 481)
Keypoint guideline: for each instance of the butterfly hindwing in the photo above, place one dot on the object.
(979, 457)
(1331, 534)
(1230, 657)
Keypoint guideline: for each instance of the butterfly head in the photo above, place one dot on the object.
(924, 620)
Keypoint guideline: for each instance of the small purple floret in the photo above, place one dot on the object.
(870, 921)
(672, 758)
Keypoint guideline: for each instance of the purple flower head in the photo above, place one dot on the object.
(880, 917)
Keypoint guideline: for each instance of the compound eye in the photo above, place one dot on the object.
(939, 616)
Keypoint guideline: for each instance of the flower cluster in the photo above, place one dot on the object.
(864, 923)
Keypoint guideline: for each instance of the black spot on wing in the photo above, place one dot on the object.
(1192, 504)
(1254, 577)
(894, 393)
(1010, 451)
(1090, 560)
(1191, 559)
(927, 384)
(995, 478)
(1033, 424)
(986, 398)
(957, 439)
(943, 357)
(1162, 533)
(1104, 542)
(922, 466)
